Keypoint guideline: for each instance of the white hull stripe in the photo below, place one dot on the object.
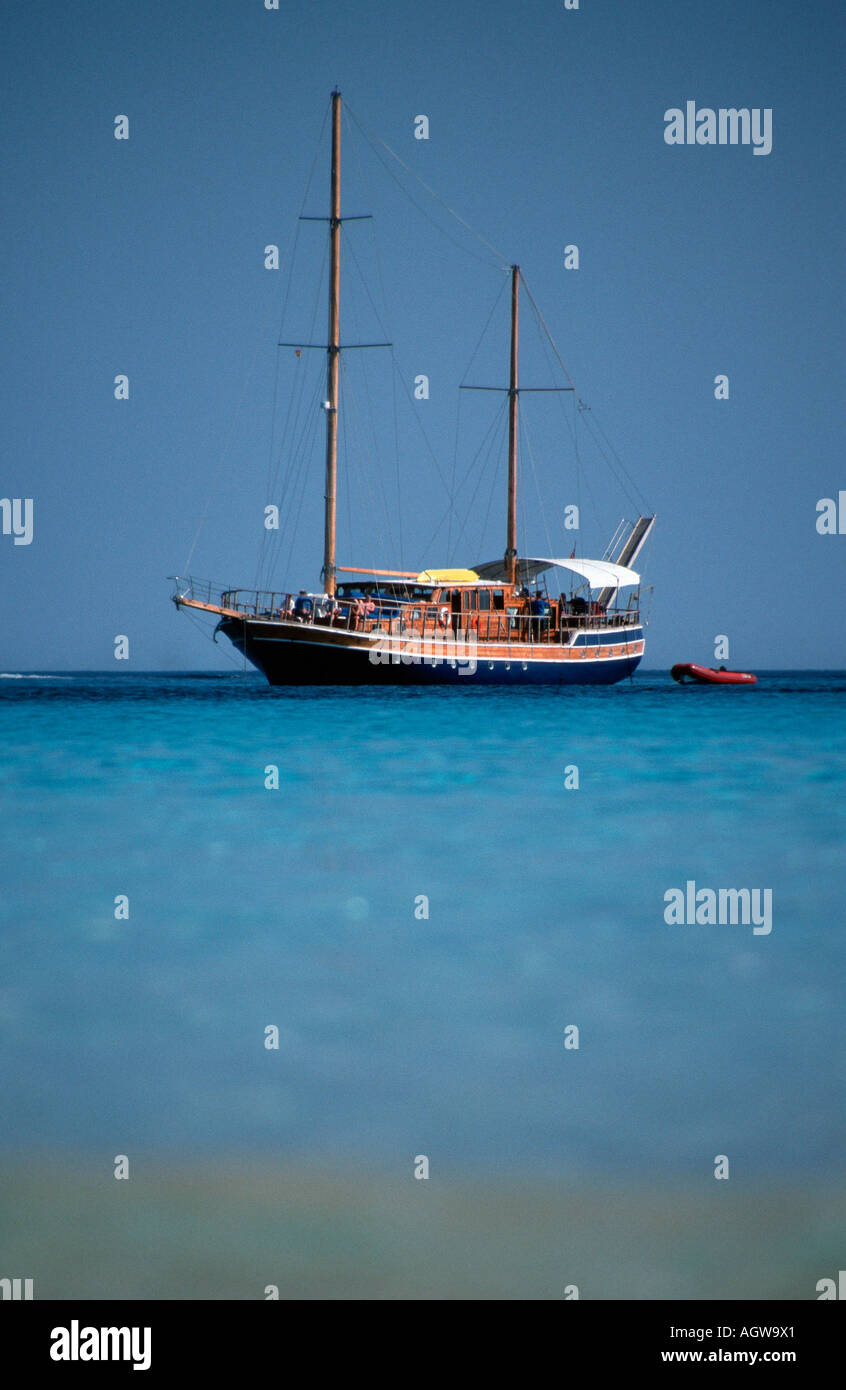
(464, 653)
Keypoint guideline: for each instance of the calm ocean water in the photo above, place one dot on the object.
(399, 1035)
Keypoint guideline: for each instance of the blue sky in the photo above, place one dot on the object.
(145, 257)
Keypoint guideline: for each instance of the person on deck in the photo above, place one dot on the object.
(303, 606)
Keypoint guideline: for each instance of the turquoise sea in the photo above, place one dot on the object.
(422, 908)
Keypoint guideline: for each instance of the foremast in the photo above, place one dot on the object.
(513, 393)
(333, 353)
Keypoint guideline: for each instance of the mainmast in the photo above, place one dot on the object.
(333, 351)
(511, 566)
(513, 392)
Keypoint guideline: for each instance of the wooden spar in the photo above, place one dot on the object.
(333, 351)
(513, 391)
(511, 566)
(357, 569)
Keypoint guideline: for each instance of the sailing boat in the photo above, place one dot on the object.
(491, 623)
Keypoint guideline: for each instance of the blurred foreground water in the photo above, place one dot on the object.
(230, 1232)
(402, 1034)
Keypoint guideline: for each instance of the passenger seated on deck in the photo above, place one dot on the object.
(362, 609)
(303, 606)
(578, 605)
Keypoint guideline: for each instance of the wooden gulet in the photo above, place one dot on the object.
(493, 623)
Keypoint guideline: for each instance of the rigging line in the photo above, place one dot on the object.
(304, 446)
(429, 190)
(358, 267)
(228, 441)
(350, 421)
(291, 253)
(581, 475)
(542, 322)
(298, 414)
(226, 447)
(379, 486)
(273, 476)
(634, 485)
(585, 480)
(524, 432)
(295, 483)
(268, 492)
(564, 404)
(579, 469)
(398, 472)
(273, 471)
(388, 336)
(571, 403)
(487, 438)
(356, 263)
(451, 504)
(347, 490)
(486, 327)
(546, 331)
(365, 202)
(376, 489)
(521, 517)
(416, 416)
(295, 397)
(491, 436)
(500, 410)
(298, 398)
(287, 497)
(620, 479)
(454, 471)
(638, 505)
(500, 263)
(398, 373)
(307, 413)
(490, 458)
(305, 476)
(203, 629)
(486, 520)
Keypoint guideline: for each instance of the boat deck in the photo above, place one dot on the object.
(436, 618)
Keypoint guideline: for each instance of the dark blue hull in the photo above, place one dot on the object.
(310, 662)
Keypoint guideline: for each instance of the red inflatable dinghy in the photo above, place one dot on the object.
(705, 675)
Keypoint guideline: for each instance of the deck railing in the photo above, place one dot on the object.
(394, 618)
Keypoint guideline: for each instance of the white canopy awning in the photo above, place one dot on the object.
(600, 574)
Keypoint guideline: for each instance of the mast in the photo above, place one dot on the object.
(513, 392)
(332, 352)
